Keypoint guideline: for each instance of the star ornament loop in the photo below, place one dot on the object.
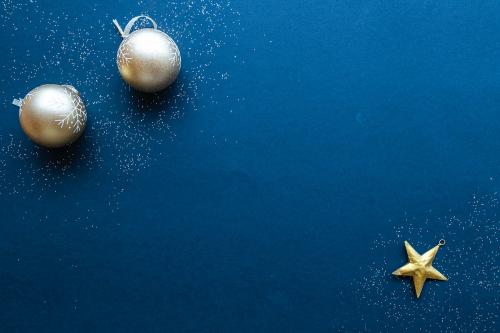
(420, 267)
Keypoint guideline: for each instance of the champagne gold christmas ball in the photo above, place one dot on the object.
(149, 60)
(53, 115)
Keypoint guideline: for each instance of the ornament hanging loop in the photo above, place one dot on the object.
(441, 242)
(17, 102)
(126, 32)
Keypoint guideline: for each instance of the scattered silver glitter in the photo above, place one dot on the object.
(119, 137)
(468, 302)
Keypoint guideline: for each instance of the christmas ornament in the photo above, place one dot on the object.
(420, 266)
(148, 59)
(52, 115)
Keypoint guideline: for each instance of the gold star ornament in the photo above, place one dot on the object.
(420, 267)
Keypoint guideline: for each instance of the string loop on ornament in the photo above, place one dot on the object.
(441, 242)
(126, 32)
(17, 102)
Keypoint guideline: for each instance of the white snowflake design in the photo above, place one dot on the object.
(28, 96)
(123, 57)
(75, 119)
(176, 54)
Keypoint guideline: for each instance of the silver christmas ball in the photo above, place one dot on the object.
(149, 60)
(53, 115)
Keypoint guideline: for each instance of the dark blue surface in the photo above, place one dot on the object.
(269, 190)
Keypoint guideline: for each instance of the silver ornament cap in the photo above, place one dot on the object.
(52, 115)
(148, 59)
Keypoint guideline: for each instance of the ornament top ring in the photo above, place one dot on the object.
(148, 59)
(52, 115)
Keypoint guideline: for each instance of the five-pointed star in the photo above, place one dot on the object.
(420, 267)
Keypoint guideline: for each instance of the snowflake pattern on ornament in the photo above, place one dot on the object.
(176, 54)
(124, 56)
(77, 117)
(28, 96)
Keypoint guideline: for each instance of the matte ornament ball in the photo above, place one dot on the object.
(52, 115)
(148, 59)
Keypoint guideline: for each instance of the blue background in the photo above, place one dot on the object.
(271, 188)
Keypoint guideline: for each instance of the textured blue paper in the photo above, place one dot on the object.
(270, 189)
